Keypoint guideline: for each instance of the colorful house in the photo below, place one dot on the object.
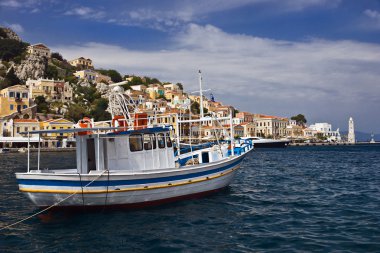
(53, 124)
(14, 99)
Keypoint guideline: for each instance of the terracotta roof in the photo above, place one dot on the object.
(40, 45)
(25, 120)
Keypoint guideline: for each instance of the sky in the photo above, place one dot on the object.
(320, 58)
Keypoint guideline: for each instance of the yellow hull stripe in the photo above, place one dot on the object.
(142, 188)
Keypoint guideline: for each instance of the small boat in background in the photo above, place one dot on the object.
(22, 150)
(372, 141)
(4, 150)
(259, 142)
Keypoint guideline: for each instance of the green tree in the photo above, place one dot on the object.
(235, 112)
(10, 79)
(75, 112)
(57, 56)
(180, 86)
(98, 111)
(136, 80)
(42, 105)
(300, 119)
(149, 80)
(9, 49)
(195, 108)
(51, 72)
(114, 74)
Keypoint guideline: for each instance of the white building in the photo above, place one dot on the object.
(326, 130)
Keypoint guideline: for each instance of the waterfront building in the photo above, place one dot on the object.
(39, 50)
(245, 116)
(52, 124)
(248, 129)
(52, 90)
(17, 126)
(351, 131)
(82, 63)
(14, 99)
(270, 126)
(325, 129)
(237, 121)
(294, 131)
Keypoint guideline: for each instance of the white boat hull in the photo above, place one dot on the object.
(116, 189)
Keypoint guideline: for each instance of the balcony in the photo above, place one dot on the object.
(18, 99)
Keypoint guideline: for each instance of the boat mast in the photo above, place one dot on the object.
(201, 94)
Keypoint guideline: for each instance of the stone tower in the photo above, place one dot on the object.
(351, 131)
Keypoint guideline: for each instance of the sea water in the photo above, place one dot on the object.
(298, 199)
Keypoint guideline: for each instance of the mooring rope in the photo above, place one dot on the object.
(56, 204)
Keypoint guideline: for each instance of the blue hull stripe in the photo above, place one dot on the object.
(78, 183)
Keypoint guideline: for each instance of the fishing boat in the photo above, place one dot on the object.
(132, 163)
(259, 142)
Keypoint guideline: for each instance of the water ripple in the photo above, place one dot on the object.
(297, 199)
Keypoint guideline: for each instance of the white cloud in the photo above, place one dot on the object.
(86, 12)
(10, 3)
(326, 80)
(372, 14)
(16, 27)
(373, 20)
(168, 15)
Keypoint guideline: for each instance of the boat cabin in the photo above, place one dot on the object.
(132, 151)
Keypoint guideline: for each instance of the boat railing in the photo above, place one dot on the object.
(95, 131)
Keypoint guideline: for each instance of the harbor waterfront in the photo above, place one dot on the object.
(315, 198)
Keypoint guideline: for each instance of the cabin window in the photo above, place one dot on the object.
(154, 140)
(135, 142)
(169, 143)
(148, 141)
(161, 140)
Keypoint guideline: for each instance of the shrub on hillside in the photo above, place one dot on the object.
(10, 49)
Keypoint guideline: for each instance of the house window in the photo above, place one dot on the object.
(11, 94)
(25, 129)
(135, 142)
(24, 95)
(11, 107)
(24, 107)
(18, 129)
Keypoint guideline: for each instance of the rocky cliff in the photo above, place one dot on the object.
(7, 33)
(33, 67)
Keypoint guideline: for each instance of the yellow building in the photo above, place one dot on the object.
(82, 63)
(58, 124)
(23, 125)
(39, 49)
(14, 99)
(52, 90)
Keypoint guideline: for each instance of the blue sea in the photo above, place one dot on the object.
(298, 199)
